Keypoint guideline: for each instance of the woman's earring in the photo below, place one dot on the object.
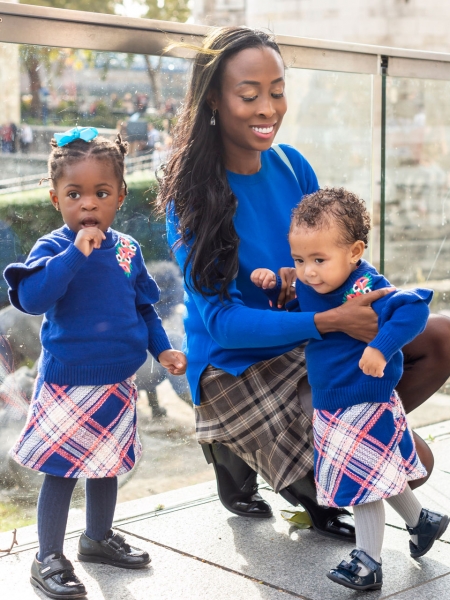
(213, 117)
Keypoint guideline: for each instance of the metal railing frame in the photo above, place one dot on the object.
(37, 25)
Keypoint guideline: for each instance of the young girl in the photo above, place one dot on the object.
(363, 448)
(97, 296)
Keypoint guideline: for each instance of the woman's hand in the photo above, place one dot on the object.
(288, 278)
(174, 361)
(355, 317)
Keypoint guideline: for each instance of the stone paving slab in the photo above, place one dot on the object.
(171, 576)
(272, 551)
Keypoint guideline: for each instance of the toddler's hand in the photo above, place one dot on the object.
(174, 361)
(288, 277)
(372, 362)
(264, 278)
(89, 238)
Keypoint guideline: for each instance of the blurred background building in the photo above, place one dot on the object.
(419, 24)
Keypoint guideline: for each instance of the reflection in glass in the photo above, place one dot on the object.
(418, 186)
(53, 90)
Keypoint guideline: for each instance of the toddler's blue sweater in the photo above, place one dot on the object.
(333, 362)
(99, 316)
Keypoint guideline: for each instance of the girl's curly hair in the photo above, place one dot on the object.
(337, 205)
(99, 148)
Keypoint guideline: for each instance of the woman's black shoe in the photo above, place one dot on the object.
(55, 577)
(430, 527)
(346, 574)
(330, 522)
(113, 550)
(236, 483)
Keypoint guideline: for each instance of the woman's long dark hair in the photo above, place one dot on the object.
(195, 179)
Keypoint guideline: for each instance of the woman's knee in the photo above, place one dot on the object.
(426, 458)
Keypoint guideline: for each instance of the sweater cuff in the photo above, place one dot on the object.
(73, 258)
(386, 345)
(157, 344)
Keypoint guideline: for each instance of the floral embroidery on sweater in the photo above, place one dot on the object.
(362, 286)
(125, 251)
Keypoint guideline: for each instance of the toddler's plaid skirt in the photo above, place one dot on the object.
(363, 453)
(259, 416)
(80, 431)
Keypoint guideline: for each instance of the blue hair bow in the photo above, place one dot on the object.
(83, 133)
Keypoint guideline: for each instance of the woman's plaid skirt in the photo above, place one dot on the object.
(259, 416)
(363, 453)
(80, 431)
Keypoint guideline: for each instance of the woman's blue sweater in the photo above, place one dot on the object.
(234, 334)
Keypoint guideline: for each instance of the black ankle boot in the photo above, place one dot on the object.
(236, 483)
(331, 522)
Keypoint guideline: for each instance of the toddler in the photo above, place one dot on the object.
(363, 448)
(97, 297)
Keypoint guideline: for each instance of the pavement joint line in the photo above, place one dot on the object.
(414, 587)
(213, 564)
(126, 520)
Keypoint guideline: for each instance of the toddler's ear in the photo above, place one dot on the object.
(54, 198)
(357, 250)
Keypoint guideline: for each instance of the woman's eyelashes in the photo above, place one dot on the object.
(251, 98)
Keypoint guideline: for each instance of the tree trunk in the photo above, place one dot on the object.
(33, 64)
(155, 80)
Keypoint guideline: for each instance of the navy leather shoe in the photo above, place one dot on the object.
(113, 550)
(55, 577)
(346, 574)
(430, 527)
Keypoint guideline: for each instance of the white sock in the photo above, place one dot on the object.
(408, 507)
(369, 528)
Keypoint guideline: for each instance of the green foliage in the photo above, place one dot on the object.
(101, 6)
(31, 215)
(171, 10)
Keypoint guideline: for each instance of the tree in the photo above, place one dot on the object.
(168, 10)
(101, 6)
(164, 10)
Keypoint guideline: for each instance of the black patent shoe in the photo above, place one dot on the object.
(430, 527)
(327, 521)
(113, 550)
(236, 483)
(55, 577)
(346, 574)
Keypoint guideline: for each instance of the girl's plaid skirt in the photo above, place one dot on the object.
(80, 431)
(259, 416)
(363, 453)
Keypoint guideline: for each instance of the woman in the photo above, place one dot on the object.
(228, 197)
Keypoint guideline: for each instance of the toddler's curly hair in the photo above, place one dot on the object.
(337, 205)
(99, 148)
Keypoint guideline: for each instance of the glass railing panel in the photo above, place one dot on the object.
(418, 186)
(50, 90)
(329, 119)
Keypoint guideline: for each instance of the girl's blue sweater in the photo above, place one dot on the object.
(333, 362)
(99, 317)
(234, 334)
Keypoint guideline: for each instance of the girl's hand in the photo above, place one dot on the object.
(89, 238)
(288, 278)
(264, 278)
(355, 317)
(174, 361)
(372, 362)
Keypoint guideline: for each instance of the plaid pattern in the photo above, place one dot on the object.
(259, 416)
(80, 431)
(363, 453)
